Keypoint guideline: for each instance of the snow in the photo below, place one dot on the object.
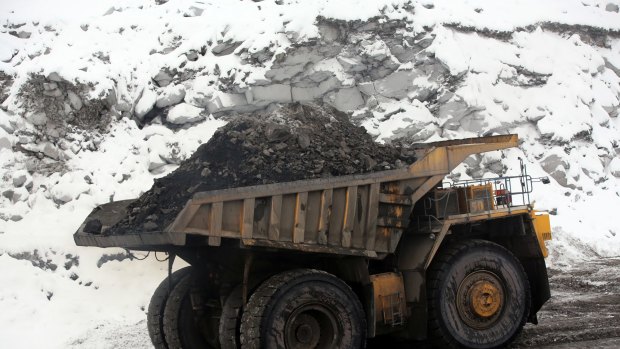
(566, 125)
(184, 113)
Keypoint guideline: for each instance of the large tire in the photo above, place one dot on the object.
(182, 328)
(303, 308)
(230, 321)
(155, 314)
(478, 296)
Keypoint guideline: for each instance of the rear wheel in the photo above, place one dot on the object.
(157, 305)
(230, 321)
(303, 308)
(183, 326)
(478, 296)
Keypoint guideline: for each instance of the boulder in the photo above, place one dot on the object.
(171, 95)
(163, 78)
(146, 103)
(51, 151)
(19, 178)
(611, 7)
(184, 113)
(556, 167)
(347, 99)
(74, 100)
(5, 140)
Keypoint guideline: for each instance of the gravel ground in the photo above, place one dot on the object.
(584, 310)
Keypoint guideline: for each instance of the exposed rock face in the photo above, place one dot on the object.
(56, 105)
(289, 143)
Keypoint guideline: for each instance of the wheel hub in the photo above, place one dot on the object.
(480, 299)
(307, 330)
(312, 326)
(485, 298)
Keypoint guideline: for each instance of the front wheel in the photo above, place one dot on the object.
(478, 296)
(302, 309)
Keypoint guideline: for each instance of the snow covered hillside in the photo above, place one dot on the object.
(99, 98)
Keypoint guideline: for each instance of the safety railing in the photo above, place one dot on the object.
(476, 196)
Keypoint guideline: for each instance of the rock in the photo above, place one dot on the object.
(155, 161)
(396, 85)
(37, 119)
(162, 78)
(277, 133)
(171, 95)
(200, 92)
(351, 64)
(307, 94)
(51, 151)
(16, 218)
(69, 187)
(146, 103)
(53, 93)
(150, 226)
(556, 167)
(226, 101)
(304, 140)
(22, 34)
(19, 178)
(5, 123)
(192, 56)
(347, 99)
(271, 93)
(5, 140)
(225, 48)
(184, 113)
(49, 86)
(93, 226)
(614, 167)
(20, 194)
(8, 194)
(54, 77)
(611, 7)
(75, 100)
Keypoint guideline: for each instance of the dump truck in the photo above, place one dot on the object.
(332, 262)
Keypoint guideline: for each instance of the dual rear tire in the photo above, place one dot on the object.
(301, 309)
(171, 320)
(296, 309)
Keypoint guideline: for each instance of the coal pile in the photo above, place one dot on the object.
(292, 142)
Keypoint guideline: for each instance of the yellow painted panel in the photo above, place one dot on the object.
(542, 226)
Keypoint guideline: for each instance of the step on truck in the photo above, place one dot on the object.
(332, 262)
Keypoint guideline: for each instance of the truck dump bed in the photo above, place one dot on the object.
(355, 215)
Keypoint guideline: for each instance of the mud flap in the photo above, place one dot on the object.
(536, 270)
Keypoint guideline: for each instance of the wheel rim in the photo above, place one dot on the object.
(480, 299)
(312, 326)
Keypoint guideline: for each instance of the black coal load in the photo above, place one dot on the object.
(292, 142)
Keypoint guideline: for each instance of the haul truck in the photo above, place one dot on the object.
(329, 263)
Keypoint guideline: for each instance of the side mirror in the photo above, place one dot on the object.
(545, 180)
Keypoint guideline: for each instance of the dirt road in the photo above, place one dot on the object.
(584, 310)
